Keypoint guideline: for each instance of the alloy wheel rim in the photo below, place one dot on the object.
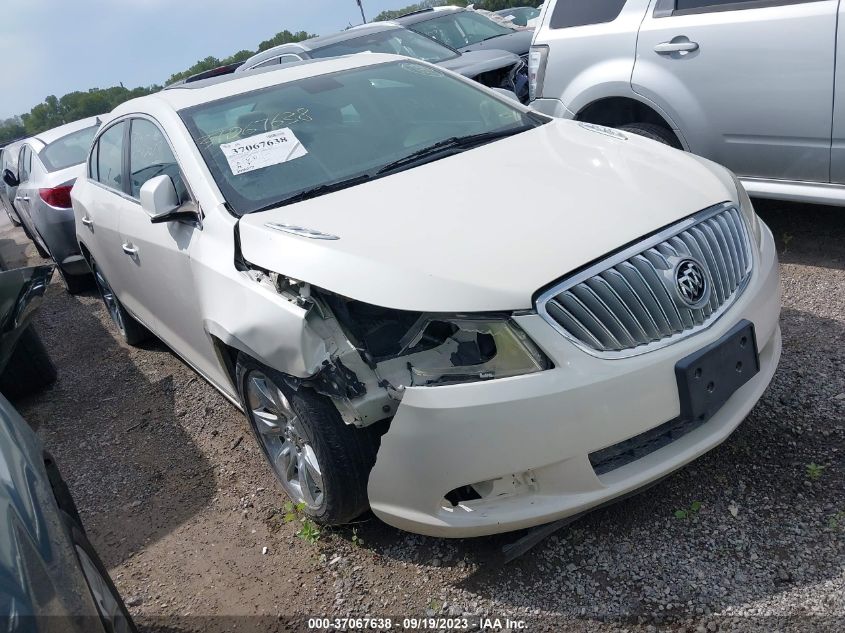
(279, 430)
(109, 299)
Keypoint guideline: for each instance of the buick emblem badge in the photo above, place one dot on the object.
(691, 283)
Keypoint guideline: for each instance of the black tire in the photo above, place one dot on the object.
(130, 330)
(29, 369)
(654, 132)
(13, 215)
(346, 454)
(75, 284)
(113, 613)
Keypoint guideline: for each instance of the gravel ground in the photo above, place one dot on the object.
(174, 494)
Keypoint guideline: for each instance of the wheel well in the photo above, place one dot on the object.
(617, 111)
(228, 357)
(85, 253)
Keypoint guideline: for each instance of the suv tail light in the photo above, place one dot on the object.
(58, 197)
(537, 58)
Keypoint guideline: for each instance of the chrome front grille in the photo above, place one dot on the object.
(632, 302)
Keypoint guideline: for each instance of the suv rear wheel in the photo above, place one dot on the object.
(654, 132)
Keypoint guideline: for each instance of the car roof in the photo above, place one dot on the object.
(426, 14)
(54, 134)
(322, 41)
(207, 90)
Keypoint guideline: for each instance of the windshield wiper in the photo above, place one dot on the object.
(454, 143)
(315, 192)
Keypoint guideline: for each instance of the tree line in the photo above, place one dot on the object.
(55, 111)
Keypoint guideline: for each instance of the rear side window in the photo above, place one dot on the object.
(69, 150)
(110, 157)
(24, 163)
(569, 13)
(150, 156)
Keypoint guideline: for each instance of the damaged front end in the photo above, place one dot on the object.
(372, 354)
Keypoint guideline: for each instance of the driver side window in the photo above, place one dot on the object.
(150, 156)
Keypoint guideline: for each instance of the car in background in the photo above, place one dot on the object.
(25, 365)
(52, 578)
(492, 67)
(757, 86)
(466, 30)
(519, 15)
(321, 241)
(48, 165)
(9, 160)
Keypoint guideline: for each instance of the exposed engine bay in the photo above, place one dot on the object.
(373, 354)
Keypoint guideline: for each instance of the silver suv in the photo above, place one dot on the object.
(756, 85)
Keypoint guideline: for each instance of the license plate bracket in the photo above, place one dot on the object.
(707, 378)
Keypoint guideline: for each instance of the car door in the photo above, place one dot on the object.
(99, 199)
(160, 288)
(22, 193)
(748, 82)
(837, 150)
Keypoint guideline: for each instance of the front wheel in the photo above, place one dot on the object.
(322, 463)
(29, 369)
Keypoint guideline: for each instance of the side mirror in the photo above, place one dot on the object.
(159, 197)
(10, 179)
(161, 202)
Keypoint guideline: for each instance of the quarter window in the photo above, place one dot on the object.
(568, 13)
(110, 157)
(150, 156)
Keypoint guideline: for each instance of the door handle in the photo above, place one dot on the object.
(22, 198)
(129, 249)
(87, 222)
(683, 46)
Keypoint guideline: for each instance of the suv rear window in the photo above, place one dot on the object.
(68, 150)
(569, 13)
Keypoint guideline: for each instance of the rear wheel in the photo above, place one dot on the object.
(13, 216)
(74, 284)
(131, 331)
(654, 132)
(29, 369)
(322, 463)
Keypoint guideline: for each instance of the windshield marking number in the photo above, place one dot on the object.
(263, 150)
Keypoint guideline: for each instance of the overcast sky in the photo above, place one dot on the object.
(52, 47)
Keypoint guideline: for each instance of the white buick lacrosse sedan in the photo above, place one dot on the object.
(427, 298)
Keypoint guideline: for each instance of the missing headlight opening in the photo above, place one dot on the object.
(373, 354)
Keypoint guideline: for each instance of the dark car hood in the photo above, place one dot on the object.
(21, 291)
(518, 42)
(474, 63)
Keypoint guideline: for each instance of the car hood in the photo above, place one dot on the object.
(474, 63)
(518, 42)
(484, 230)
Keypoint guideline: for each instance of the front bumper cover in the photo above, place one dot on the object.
(529, 438)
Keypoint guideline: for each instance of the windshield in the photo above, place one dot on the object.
(461, 29)
(520, 15)
(69, 150)
(394, 41)
(269, 145)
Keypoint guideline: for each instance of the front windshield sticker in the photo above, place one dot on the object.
(263, 150)
(419, 69)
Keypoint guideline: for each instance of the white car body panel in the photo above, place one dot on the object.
(430, 252)
(441, 238)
